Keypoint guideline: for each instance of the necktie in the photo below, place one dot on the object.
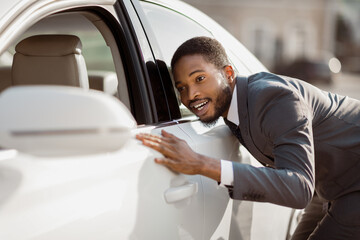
(235, 130)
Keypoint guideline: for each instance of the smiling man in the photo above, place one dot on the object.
(209, 99)
(308, 139)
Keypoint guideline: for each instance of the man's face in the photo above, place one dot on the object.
(203, 88)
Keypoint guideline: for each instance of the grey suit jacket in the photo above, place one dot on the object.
(308, 138)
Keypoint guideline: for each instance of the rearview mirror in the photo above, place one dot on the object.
(62, 121)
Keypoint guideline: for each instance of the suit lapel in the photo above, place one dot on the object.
(243, 111)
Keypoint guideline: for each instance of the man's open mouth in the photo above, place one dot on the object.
(199, 107)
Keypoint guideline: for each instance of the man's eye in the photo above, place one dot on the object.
(180, 89)
(200, 78)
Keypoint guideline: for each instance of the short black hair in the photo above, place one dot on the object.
(209, 48)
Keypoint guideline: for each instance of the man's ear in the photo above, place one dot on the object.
(229, 73)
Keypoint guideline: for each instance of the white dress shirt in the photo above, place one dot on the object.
(227, 173)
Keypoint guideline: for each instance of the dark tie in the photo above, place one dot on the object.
(235, 130)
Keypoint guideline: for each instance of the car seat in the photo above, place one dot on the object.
(49, 60)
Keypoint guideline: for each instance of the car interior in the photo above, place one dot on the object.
(49, 59)
(69, 48)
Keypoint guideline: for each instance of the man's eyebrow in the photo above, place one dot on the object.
(196, 71)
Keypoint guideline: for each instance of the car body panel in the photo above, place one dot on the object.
(216, 142)
(115, 196)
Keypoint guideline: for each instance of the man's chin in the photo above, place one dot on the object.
(209, 122)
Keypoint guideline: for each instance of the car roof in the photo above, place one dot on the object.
(12, 13)
(8, 7)
(14, 7)
(184, 9)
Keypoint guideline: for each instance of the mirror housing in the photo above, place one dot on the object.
(56, 121)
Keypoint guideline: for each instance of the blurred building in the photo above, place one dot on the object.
(281, 31)
(347, 35)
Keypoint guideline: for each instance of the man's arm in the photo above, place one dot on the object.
(179, 157)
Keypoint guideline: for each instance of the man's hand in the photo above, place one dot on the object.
(179, 157)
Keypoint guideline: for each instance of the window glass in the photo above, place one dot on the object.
(94, 48)
(171, 29)
(96, 52)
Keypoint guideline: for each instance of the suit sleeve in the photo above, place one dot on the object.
(285, 123)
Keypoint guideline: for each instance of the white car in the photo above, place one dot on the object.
(78, 80)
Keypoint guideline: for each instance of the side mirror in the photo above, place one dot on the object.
(62, 121)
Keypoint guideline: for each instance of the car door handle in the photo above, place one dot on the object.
(175, 194)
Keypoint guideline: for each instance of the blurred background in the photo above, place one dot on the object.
(315, 40)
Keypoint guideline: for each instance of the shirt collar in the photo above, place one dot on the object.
(233, 115)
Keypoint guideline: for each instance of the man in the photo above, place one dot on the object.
(308, 139)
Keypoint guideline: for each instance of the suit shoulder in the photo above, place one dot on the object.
(274, 105)
(264, 85)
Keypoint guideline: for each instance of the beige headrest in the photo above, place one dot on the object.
(49, 45)
(50, 59)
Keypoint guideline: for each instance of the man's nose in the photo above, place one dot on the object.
(193, 92)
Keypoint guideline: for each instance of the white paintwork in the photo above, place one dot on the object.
(216, 142)
(117, 195)
(177, 194)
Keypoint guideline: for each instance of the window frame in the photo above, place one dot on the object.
(166, 79)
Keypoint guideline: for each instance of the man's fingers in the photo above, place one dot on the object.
(162, 147)
(150, 137)
(168, 138)
(162, 161)
(167, 144)
(154, 145)
(149, 143)
(165, 161)
(167, 134)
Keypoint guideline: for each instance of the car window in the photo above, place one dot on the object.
(171, 29)
(96, 50)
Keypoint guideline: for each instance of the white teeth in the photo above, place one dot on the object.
(200, 105)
